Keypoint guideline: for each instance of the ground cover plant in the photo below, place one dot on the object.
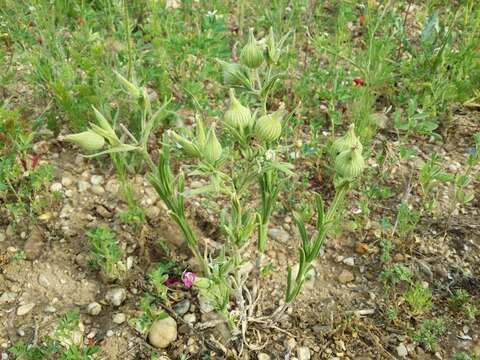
(239, 180)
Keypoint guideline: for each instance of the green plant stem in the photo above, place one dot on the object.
(319, 241)
(181, 221)
(129, 40)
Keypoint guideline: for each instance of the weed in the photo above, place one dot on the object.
(159, 277)
(105, 253)
(66, 343)
(429, 332)
(419, 298)
(149, 314)
(396, 274)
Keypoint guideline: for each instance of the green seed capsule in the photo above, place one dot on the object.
(190, 148)
(346, 142)
(237, 116)
(87, 140)
(252, 53)
(269, 127)
(349, 164)
(212, 150)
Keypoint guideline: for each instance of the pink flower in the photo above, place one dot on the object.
(358, 82)
(188, 278)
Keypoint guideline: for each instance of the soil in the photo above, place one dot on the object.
(340, 314)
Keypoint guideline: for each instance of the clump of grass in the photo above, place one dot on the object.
(429, 332)
(419, 298)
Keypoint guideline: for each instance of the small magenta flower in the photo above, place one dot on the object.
(358, 82)
(188, 278)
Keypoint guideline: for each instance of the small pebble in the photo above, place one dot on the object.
(182, 307)
(303, 353)
(263, 356)
(402, 350)
(96, 179)
(67, 181)
(94, 308)
(350, 261)
(279, 235)
(109, 333)
(190, 319)
(98, 190)
(82, 185)
(25, 309)
(56, 187)
(163, 332)
(346, 277)
(116, 296)
(119, 318)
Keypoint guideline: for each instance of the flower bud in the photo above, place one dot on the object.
(271, 48)
(190, 148)
(252, 53)
(269, 127)
(346, 142)
(237, 116)
(212, 150)
(104, 129)
(87, 140)
(131, 88)
(349, 163)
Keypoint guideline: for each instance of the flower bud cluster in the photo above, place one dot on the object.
(349, 162)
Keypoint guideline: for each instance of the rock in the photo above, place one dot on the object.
(25, 309)
(56, 187)
(82, 185)
(205, 304)
(350, 261)
(33, 246)
(50, 309)
(346, 277)
(152, 213)
(103, 211)
(163, 332)
(279, 234)
(119, 318)
(67, 181)
(110, 333)
(303, 353)
(94, 308)
(81, 259)
(96, 179)
(43, 280)
(361, 248)
(116, 296)
(182, 307)
(263, 356)
(402, 350)
(7, 297)
(190, 319)
(98, 190)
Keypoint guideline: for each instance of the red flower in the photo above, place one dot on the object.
(361, 20)
(358, 82)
